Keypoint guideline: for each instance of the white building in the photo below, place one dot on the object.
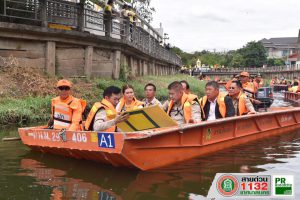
(280, 47)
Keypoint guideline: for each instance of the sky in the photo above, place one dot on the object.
(222, 25)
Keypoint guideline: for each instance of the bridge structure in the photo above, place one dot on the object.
(267, 72)
(80, 39)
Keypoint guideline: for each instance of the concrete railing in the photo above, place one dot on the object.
(85, 18)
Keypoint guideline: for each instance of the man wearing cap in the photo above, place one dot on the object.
(66, 109)
(249, 87)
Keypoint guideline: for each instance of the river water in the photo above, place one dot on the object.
(32, 175)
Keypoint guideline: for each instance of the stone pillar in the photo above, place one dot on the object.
(145, 68)
(160, 70)
(50, 58)
(132, 66)
(116, 65)
(150, 68)
(142, 67)
(88, 61)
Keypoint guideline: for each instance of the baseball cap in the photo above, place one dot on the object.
(63, 82)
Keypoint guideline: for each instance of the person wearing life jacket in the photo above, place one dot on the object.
(289, 85)
(242, 104)
(150, 100)
(186, 89)
(128, 102)
(274, 81)
(294, 88)
(215, 105)
(234, 78)
(181, 108)
(249, 87)
(258, 81)
(103, 115)
(66, 109)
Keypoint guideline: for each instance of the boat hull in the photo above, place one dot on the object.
(157, 148)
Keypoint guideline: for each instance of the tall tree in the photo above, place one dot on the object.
(254, 54)
(237, 60)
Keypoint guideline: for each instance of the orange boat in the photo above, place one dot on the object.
(156, 148)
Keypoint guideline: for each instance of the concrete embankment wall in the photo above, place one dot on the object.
(73, 53)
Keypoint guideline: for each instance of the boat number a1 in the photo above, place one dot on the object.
(106, 140)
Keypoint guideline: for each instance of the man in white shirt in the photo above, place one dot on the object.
(215, 105)
(150, 91)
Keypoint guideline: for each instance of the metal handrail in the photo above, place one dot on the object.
(67, 13)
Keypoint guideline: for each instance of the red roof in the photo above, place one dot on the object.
(295, 55)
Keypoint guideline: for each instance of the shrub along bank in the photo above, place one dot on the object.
(35, 107)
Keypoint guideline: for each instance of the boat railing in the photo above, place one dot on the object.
(292, 96)
(185, 127)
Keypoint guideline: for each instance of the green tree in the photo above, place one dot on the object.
(237, 60)
(254, 54)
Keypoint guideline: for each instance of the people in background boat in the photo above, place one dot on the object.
(103, 115)
(290, 87)
(274, 81)
(150, 91)
(186, 89)
(249, 87)
(66, 109)
(181, 108)
(242, 104)
(258, 81)
(295, 81)
(128, 102)
(295, 87)
(215, 105)
(234, 78)
(283, 81)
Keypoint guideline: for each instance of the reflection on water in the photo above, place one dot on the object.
(33, 175)
(279, 101)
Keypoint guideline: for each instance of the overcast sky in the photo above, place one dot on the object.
(195, 25)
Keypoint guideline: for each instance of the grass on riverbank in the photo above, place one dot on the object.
(30, 109)
(22, 111)
(161, 82)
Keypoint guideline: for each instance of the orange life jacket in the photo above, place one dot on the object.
(186, 101)
(192, 96)
(250, 88)
(133, 106)
(227, 86)
(261, 83)
(110, 114)
(62, 112)
(220, 101)
(242, 106)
